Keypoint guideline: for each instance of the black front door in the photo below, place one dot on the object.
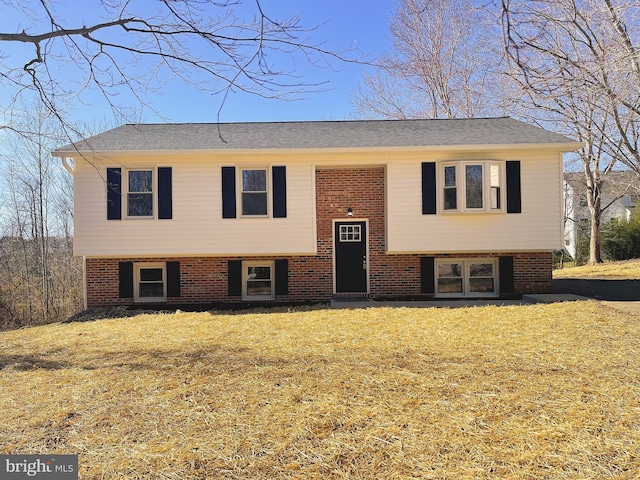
(351, 257)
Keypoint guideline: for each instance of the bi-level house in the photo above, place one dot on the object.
(305, 211)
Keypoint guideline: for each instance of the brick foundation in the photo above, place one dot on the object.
(205, 279)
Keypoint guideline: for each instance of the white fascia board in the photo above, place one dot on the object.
(559, 147)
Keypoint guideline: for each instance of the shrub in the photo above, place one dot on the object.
(621, 240)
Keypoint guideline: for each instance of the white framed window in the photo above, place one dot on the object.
(474, 186)
(476, 277)
(350, 233)
(258, 280)
(150, 282)
(140, 193)
(254, 192)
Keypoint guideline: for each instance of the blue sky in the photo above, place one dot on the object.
(357, 24)
(352, 24)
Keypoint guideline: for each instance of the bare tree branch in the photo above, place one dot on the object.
(443, 63)
(136, 48)
(577, 63)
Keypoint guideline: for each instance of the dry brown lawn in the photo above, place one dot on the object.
(517, 392)
(625, 270)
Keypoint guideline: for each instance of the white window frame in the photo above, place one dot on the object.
(245, 279)
(466, 276)
(461, 187)
(350, 233)
(136, 282)
(240, 191)
(154, 193)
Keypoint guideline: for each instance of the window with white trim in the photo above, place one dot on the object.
(477, 277)
(258, 280)
(150, 282)
(254, 192)
(471, 187)
(140, 193)
(350, 233)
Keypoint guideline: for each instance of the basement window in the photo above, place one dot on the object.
(258, 280)
(150, 282)
(466, 277)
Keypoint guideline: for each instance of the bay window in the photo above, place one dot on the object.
(471, 187)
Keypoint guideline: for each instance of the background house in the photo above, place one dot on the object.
(620, 193)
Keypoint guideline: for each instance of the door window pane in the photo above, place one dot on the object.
(350, 233)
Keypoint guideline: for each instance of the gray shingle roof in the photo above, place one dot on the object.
(318, 135)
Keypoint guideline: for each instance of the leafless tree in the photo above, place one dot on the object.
(40, 279)
(577, 65)
(134, 47)
(445, 62)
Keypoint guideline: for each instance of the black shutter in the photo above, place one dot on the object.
(228, 192)
(235, 278)
(173, 279)
(114, 194)
(279, 179)
(282, 277)
(507, 283)
(514, 203)
(125, 279)
(428, 188)
(427, 275)
(165, 203)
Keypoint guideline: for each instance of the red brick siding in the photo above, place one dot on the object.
(204, 279)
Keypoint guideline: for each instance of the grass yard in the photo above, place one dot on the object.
(625, 270)
(523, 392)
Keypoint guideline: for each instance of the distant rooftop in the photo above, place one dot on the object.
(318, 135)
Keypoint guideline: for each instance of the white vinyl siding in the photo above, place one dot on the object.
(538, 227)
(197, 226)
